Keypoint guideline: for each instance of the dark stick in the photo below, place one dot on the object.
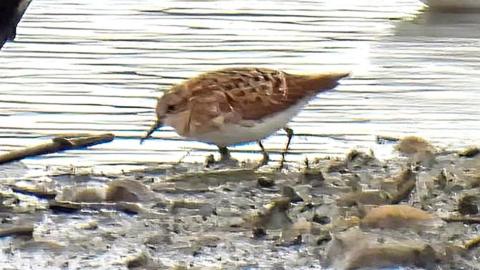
(57, 144)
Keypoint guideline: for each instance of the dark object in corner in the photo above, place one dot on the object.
(11, 11)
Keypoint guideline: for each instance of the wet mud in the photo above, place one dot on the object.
(418, 209)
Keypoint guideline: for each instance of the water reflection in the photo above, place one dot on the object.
(97, 66)
(431, 23)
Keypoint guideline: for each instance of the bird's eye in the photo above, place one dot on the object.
(170, 108)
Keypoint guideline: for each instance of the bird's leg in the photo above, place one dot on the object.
(225, 159)
(224, 153)
(284, 153)
(265, 157)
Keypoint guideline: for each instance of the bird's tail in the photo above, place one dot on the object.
(316, 82)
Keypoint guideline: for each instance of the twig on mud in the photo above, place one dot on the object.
(17, 230)
(57, 144)
(464, 219)
(472, 243)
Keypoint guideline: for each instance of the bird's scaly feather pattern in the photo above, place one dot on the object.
(242, 95)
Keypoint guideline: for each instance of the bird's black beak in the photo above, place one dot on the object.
(158, 124)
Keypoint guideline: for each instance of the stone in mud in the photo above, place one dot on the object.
(369, 197)
(71, 207)
(17, 230)
(273, 215)
(158, 239)
(323, 237)
(291, 233)
(406, 175)
(357, 159)
(90, 225)
(265, 182)
(127, 191)
(35, 245)
(191, 204)
(64, 206)
(469, 152)
(82, 193)
(259, 233)
(354, 182)
(473, 181)
(469, 205)
(442, 180)
(209, 179)
(209, 161)
(382, 139)
(137, 261)
(404, 184)
(395, 255)
(340, 224)
(321, 219)
(354, 249)
(8, 201)
(353, 161)
(292, 194)
(399, 216)
(312, 176)
(201, 241)
(114, 191)
(43, 190)
(337, 166)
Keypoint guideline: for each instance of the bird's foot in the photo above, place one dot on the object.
(210, 162)
(264, 161)
(225, 159)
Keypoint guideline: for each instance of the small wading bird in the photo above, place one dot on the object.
(238, 105)
(11, 11)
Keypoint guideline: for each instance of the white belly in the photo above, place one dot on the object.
(232, 134)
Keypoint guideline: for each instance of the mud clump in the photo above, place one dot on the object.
(469, 152)
(469, 205)
(399, 216)
(127, 191)
(265, 182)
(273, 215)
(82, 194)
(358, 250)
(418, 149)
(412, 145)
(370, 197)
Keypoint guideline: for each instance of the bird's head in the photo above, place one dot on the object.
(168, 105)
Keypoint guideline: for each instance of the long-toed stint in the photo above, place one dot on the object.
(238, 105)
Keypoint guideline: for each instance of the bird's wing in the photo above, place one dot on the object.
(255, 93)
(209, 111)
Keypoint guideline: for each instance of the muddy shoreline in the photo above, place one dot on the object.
(418, 209)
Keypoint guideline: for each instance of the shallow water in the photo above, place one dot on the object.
(97, 66)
